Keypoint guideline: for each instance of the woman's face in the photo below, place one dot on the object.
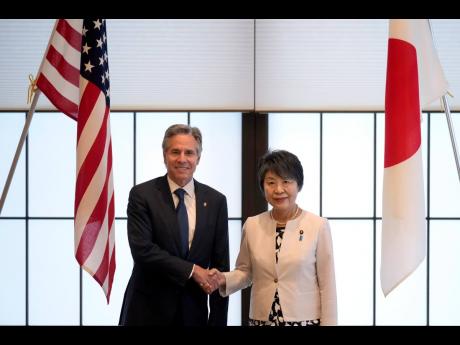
(281, 193)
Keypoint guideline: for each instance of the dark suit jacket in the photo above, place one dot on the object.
(159, 288)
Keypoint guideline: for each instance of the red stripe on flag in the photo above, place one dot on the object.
(91, 162)
(111, 212)
(87, 103)
(71, 36)
(402, 104)
(59, 101)
(68, 72)
(103, 269)
(111, 205)
(95, 221)
(111, 272)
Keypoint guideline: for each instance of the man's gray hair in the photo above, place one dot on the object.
(182, 129)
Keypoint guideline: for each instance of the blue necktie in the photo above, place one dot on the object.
(182, 219)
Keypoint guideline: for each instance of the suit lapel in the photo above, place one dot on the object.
(201, 215)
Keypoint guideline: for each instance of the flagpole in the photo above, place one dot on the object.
(451, 131)
(25, 131)
(445, 105)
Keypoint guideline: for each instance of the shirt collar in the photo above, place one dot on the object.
(189, 187)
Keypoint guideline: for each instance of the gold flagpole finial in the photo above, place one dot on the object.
(32, 88)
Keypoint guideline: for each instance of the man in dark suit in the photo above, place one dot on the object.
(169, 284)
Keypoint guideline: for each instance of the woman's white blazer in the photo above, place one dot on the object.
(304, 274)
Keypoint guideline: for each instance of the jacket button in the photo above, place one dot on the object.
(276, 280)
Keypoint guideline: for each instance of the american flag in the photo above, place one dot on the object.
(74, 75)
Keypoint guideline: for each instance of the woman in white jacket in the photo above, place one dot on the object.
(286, 254)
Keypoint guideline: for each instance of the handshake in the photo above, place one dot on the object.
(208, 280)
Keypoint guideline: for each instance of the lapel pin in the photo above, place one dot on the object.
(301, 235)
(205, 204)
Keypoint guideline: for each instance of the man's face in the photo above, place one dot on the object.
(181, 158)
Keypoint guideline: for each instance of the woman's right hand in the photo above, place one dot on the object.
(217, 277)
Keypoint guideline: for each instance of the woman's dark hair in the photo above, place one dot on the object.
(283, 163)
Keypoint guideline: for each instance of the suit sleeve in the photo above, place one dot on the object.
(147, 253)
(218, 305)
(326, 276)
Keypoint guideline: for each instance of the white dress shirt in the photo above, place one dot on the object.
(190, 204)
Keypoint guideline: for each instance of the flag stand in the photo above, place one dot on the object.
(25, 131)
(451, 131)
